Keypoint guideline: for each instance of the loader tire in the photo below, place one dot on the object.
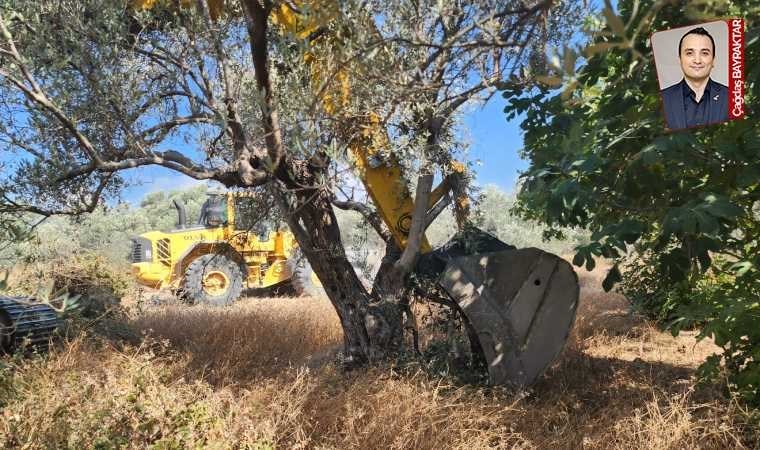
(302, 279)
(213, 280)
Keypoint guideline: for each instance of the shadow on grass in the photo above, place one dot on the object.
(584, 396)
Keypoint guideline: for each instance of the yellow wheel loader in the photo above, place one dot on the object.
(212, 261)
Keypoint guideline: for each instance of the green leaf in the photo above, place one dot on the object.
(609, 251)
(590, 263)
(613, 276)
(631, 231)
(749, 176)
(707, 244)
(722, 208)
(707, 223)
(578, 259)
(741, 267)
(675, 264)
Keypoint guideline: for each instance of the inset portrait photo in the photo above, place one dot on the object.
(701, 71)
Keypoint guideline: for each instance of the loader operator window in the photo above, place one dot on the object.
(246, 217)
(214, 211)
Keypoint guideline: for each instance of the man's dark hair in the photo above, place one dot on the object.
(700, 31)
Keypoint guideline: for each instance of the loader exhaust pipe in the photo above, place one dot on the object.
(181, 214)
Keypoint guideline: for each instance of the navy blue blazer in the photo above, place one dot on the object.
(675, 115)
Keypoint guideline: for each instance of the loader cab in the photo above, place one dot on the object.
(214, 211)
(240, 211)
(247, 216)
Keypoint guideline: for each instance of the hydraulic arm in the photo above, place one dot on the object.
(376, 166)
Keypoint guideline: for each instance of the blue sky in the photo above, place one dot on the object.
(149, 179)
(493, 141)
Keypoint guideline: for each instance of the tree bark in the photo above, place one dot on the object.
(372, 329)
(390, 282)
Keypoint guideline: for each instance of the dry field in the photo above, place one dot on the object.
(262, 374)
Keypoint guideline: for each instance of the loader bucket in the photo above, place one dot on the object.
(520, 303)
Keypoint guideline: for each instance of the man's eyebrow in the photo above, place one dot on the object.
(686, 49)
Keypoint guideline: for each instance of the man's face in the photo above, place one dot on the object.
(697, 59)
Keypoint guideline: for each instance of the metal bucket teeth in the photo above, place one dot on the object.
(522, 305)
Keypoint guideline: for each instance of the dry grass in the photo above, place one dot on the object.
(253, 338)
(258, 375)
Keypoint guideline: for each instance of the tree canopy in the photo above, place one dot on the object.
(687, 202)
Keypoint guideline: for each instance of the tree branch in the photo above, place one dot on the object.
(88, 206)
(369, 214)
(36, 95)
(408, 258)
(166, 127)
(170, 159)
(257, 15)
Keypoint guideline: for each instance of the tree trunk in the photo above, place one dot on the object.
(372, 328)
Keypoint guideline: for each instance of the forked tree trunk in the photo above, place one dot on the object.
(371, 327)
(371, 330)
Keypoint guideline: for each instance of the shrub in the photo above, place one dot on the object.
(601, 158)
